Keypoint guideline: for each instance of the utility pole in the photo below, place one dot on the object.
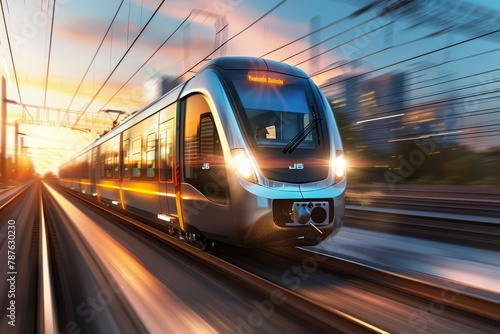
(16, 148)
(3, 133)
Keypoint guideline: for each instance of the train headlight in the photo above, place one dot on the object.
(242, 165)
(339, 166)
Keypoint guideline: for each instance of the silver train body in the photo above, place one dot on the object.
(247, 152)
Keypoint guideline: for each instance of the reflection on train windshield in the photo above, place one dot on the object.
(277, 108)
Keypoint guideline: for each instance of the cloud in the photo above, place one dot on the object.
(83, 31)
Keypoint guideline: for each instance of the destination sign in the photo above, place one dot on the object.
(263, 78)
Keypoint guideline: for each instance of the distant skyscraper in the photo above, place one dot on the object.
(370, 107)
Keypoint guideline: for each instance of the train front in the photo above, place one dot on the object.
(290, 164)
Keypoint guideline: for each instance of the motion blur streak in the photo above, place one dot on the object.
(159, 309)
(49, 317)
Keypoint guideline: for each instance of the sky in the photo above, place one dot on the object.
(66, 63)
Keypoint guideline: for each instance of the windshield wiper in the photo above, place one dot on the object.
(299, 138)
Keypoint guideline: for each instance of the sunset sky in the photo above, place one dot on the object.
(70, 69)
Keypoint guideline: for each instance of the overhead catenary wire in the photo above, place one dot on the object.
(49, 53)
(455, 99)
(404, 60)
(204, 58)
(416, 86)
(329, 25)
(233, 37)
(434, 94)
(488, 96)
(376, 27)
(147, 60)
(118, 64)
(96, 53)
(305, 36)
(11, 55)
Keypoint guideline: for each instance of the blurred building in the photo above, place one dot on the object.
(159, 85)
(368, 110)
(375, 112)
(438, 119)
(379, 123)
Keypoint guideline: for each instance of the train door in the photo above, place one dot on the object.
(203, 162)
(94, 164)
(204, 190)
(166, 160)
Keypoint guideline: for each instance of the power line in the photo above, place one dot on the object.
(407, 59)
(147, 60)
(339, 45)
(203, 59)
(50, 51)
(10, 52)
(304, 36)
(428, 86)
(350, 16)
(233, 37)
(95, 53)
(119, 62)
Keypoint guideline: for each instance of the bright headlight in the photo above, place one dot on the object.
(339, 166)
(242, 165)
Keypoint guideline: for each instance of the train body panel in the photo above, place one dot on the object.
(246, 152)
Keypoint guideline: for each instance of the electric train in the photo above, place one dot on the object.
(246, 152)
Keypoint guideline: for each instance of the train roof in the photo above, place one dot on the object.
(254, 63)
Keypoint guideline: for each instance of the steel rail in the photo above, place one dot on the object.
(47, 318)
(16, 196)
(466, 298)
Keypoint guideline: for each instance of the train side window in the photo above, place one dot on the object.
(125, 159)
(166, 153)
(151, 155)
(136, 157)
(207, 139)
(93, 165)
(109, 162)
(94, 161)
(204, 165)
(116, 161)
(102, 164)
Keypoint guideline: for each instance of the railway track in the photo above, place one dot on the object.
(264, 272)
(10, 195)
(24, 268)
(268, 298)
(392, 302)
(463, 215)
(444, 229)
(295, 289)
(467, 202)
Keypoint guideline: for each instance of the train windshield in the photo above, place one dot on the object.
(279, 110)
(284, 123)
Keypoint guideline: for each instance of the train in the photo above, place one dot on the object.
(246, 152)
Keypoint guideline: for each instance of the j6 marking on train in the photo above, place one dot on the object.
(296, 166)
